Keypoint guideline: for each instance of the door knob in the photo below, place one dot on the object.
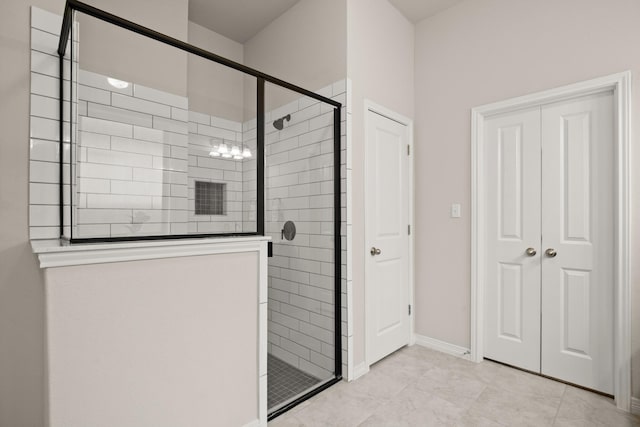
(531, 252)
(375, 251)
(550, 252)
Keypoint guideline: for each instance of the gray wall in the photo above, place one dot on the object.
(464, 60)
(380, 66)
(112, 51)
(22, 384)
(181, 352)
(306, 46)
(212, 88)
(21, 288)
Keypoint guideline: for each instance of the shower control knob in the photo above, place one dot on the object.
(375, 251)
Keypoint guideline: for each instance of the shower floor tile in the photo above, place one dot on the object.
(285, 381)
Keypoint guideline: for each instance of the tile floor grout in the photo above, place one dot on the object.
(285, 381)
(555, 417)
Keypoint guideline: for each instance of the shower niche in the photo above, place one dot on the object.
(208, 148)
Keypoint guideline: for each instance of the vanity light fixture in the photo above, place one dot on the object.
(222, 150)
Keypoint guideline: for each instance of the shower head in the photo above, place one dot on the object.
(279, 124)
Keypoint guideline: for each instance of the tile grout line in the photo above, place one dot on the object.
(555, 417)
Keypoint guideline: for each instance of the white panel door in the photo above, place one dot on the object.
(577, 225)
(386, 223)
(512, 284)
(549, 227)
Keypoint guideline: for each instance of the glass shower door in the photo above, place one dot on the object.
(300, 217)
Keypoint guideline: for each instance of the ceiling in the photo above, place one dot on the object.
(417, 10)
(240, 20)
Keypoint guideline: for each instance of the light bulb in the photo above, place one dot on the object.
(246, 152)
(235, 151)
(214, 152)
(117, 83)
(223, 149)
(226, 155)
(238, 157)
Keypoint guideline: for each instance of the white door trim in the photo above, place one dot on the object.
(383, 111)
(621, 85)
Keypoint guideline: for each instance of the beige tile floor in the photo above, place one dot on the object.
(420, 387)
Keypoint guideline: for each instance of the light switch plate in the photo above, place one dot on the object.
(455, 210)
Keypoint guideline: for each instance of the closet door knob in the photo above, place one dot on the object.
(531, 252)
(550, 252)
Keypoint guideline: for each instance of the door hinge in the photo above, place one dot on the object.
(409, 230)
(409, 309)
(408, 150)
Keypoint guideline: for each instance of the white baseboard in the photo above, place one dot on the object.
(432, 343)
(254, 423)
(442, 346)
(635, 406)
(359, 370)
(412, 338)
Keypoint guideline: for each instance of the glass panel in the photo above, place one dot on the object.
(153, 124)
(299, 217)
(221, 147)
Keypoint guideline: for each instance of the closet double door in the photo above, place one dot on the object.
(549, 232)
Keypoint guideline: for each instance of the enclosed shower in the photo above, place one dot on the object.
(300, 189)
(165, 140)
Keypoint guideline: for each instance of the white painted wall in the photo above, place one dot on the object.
(380, 65)
(484, 51)
(167, 342)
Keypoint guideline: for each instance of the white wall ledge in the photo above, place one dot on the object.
(55, 253)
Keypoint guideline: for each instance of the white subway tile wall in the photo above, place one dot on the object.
(249, 176)
(141, 151)
(132, 159)
(203, 167)
(347, 248)
(44, 197)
